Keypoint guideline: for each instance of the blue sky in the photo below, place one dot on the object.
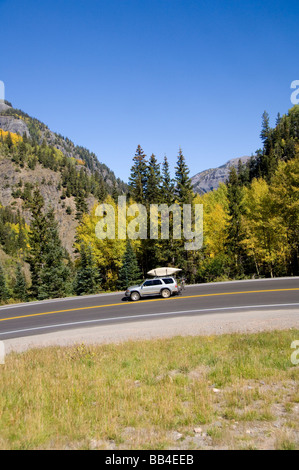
(112, 74)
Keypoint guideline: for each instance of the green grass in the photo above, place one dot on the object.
(135, 395)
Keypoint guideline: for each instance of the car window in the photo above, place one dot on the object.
(157, 282)
(168, 281)
(148, 283)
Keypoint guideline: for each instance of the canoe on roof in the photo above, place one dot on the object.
(163, 271)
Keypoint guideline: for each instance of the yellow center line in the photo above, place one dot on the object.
(144, 301)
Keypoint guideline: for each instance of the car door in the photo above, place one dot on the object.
(157, 285)
(147, 288)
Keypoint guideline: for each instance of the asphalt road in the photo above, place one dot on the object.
(36, 318)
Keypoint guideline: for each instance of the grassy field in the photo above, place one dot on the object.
(222, 392)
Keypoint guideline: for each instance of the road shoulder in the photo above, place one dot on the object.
(206, 324)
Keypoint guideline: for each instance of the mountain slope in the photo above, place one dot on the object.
(17, 121)
(70, 178)
(209, 180)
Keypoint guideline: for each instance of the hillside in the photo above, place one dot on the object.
(18, 122)
(70, 178)
(208, 180)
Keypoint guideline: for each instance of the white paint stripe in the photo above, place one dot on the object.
(147, 315)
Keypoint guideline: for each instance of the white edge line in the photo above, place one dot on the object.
(102, 320)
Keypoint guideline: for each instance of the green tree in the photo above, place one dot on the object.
(138, 177)
(234, 229)
(4, 291)
(266, 131)
(153, 179)
(167, 183)
(129, 272)
(87, 278)
(183, 189)
(38, 238)
(20, 287)
(81, 204)
(55, 273)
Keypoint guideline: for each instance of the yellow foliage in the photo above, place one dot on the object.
(215, 220)
(14, 137)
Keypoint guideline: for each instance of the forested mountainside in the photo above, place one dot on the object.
(251, 225)
(279, 144)
(18, 122)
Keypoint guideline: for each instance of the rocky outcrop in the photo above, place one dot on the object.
(209, 180)
(11, 124)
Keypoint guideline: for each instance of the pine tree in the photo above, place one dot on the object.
(167, 183)
(234, 230)
(81, 204)
(115, 192)
(38, 237)
(47, 259)
(87, 279)
(153, 178)
(138, 177)
(266, 131)
(183, 190)
(20, 287)
(8, 140)
(55, 273)
(4, 292)
(129, 273)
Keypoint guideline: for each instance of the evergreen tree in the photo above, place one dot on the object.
(115, 192)
(20, 287)
(87, 279)
(38, 238)
(153, 178)
(55, 273)
(47, 259)
(183, 190)
(234, 230)
(101, 191)
(266, 131)
(4, 292)
(81, 204)
(8, 141)
(138, 177)
(129, 273)
(167, 183)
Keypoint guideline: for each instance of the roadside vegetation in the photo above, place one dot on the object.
(220, 392)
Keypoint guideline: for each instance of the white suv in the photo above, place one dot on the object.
(163, 286)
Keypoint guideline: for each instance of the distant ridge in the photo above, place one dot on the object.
(208, 180)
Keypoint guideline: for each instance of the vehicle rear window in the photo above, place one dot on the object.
(168, 281)
(157, 282)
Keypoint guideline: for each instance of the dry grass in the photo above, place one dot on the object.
(241, 390)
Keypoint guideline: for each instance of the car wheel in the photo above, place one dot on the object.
(135, 296)
(165, 293)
